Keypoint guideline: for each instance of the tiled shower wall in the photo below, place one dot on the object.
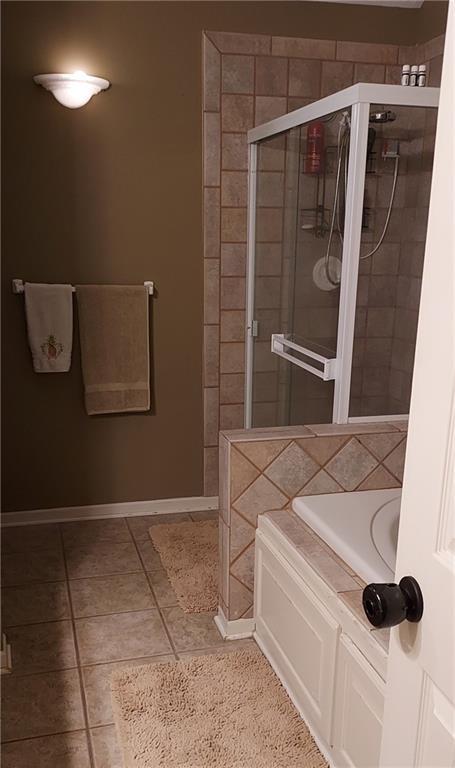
(263, 470)
(249, 79)
(389, 282)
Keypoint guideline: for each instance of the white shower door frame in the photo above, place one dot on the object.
(358, 98)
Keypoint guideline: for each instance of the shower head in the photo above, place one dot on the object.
(383, 116)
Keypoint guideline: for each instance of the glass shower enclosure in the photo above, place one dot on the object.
(337, 208)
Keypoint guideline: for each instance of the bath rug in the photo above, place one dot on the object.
(216, 711)
(189, 553)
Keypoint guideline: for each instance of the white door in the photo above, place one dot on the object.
(419, 719)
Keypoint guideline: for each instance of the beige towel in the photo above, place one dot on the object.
(114, 334)
(49, 312)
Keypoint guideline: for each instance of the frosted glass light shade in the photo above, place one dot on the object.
(73, 90)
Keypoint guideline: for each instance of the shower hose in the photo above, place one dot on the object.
(343, 136)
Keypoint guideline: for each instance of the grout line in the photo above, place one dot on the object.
(116, 613)
(78, 658)
(50, 671)
(29, 583)
(45, 735)
(261, 471)
(101, 575)
(242, 552)
(168, 634)
(246, 611)
(241, 582)
(110, 575)
(120, 661)
(37, 623)
(245, 520)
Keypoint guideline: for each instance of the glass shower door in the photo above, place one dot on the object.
(335, 253)
(275, 236)
(295, 307)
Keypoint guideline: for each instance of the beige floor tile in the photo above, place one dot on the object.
(121, 636)
(229, 646)
(111, 594)
(162, 588)
(139, 526)
(149, 556)
(35, 603)
(191, 631)
(208, 514)
(64, 750)
(37, 705)
(97, 687)
(42, 647)
(106, 749)
(94, 531)
(102, 559)
(23, 538)
(33, 566)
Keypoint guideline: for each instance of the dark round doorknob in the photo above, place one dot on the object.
(387, 605)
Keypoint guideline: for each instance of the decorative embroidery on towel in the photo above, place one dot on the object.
(51, 348)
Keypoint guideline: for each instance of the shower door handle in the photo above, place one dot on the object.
(387, 605)
(328, 365)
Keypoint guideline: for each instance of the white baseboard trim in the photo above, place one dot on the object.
(122, 509)
(234, 630)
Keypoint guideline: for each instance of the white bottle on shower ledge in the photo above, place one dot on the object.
(422, 76)
(414, 75)
(405, 74)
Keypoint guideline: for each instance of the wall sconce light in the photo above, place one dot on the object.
(72, 90)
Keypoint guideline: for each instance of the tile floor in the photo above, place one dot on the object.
(78, 601)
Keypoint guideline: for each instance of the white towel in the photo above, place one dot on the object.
(49, 310)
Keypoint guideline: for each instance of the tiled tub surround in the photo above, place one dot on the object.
(263, 470)
(249, 79)
(341, 579)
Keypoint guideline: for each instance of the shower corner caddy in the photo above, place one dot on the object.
(328, 364)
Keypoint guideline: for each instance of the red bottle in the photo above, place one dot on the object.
(315, 147)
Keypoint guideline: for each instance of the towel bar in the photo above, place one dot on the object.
(18, 286)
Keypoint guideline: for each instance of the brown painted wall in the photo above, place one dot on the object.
(111, 193)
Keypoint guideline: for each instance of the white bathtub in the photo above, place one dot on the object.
(362, 527)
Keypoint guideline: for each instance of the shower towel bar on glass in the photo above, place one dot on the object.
(19, 287)
(329, 365)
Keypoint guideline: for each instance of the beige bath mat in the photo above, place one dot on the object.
(189, 553)
(216, 711)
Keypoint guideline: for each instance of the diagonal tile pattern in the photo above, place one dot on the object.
(292, 469)
(319, 459)
(262, 453)
(242, 534)
(381, 445)
(243, 567)
(395, 461)
(351, 465)
(322, 448)
(260, 497)
(379, 478)
(242, 473)
(321, 483)
(241, 598)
